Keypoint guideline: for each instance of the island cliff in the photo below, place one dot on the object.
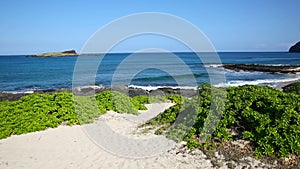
(57, 54)
(295, 48)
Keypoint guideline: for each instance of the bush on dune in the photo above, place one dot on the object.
(36, 112)
(267, 117)
(292, 88)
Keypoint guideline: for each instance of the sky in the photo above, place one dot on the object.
(34, 26)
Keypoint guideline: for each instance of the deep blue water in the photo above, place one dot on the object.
(21, 73)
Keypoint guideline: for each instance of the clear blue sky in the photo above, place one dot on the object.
(34, 26)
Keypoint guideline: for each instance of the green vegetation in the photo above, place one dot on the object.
(267, 117)
(36, 112)
(139, 101)
(169, 115)
(292, 88)
(57, 54)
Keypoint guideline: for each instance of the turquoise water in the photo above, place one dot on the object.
(24, 74)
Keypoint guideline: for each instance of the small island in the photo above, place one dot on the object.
(57, 54)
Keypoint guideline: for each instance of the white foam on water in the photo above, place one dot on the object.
(213, 65)
(149, 88)
(19, 92)
(234, 83)
(89, 86)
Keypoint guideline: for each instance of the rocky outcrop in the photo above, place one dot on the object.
(57, 54)
(131, 91)
(263, 68)
(70, 52)
(11, 96)
(295, 48)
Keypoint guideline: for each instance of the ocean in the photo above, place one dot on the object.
(151, 70)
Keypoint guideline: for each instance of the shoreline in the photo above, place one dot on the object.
(90, 90)
(133, 90)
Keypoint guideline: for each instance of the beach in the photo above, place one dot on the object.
(116, 140)
(149, 85)
(73, 147)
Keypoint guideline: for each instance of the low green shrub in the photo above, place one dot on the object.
(139, 101)
(292, 88)
(267, 117)
(36, 112)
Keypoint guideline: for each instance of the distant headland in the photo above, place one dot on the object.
(57, 54)
(295, 48)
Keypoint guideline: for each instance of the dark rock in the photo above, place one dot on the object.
(295, 48)
(89, 91)
(11, 96)
(70, 52)
(137, 92)
(162, 91)
(263, 68)
(51, 91)
(166, 91)
(48, 91)
(131, 92)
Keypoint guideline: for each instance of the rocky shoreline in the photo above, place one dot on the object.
(130, 91)
(263, 68)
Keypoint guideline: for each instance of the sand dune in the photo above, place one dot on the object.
(113, 141)
(74, 147)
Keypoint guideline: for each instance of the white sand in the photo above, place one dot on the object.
(78, 147)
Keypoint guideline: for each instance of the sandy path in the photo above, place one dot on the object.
(78, 147)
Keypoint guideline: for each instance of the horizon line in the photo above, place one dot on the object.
(129, 52)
